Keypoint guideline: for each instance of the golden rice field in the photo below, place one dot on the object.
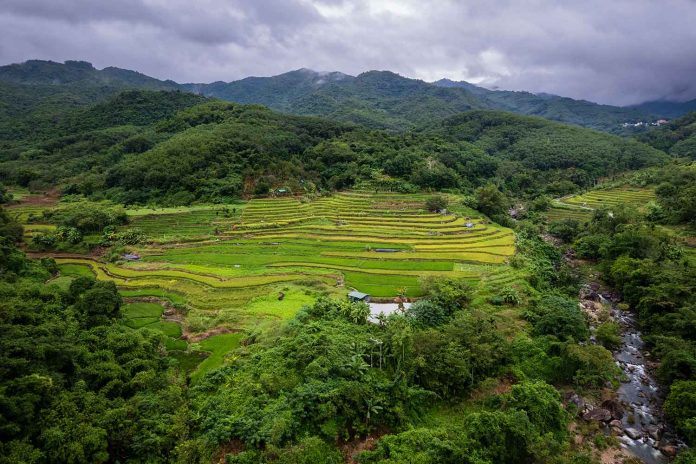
(580, 207)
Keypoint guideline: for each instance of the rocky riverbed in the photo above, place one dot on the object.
(635, 414)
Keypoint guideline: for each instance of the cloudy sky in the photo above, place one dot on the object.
(609, 51)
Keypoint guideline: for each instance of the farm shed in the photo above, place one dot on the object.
(355, 296)
(131, 257)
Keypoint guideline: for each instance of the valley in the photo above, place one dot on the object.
(370, 270)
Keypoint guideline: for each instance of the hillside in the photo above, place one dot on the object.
(174, 147)
(37, 95)
(579, 112)
(667, 109)
(678, 137)
(40, 72)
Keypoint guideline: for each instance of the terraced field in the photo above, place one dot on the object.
(185, 223)
(580, 207)
(612, 197)
(242, 264)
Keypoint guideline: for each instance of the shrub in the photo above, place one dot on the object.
(436, 203)
(609, 335)
(425, 313)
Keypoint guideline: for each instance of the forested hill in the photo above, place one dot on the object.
(386, 100)
(39, 72)
(376, 99)
(38, 95)
(175, 148)
(678, 137)
(667, 109)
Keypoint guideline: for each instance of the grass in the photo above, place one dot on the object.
(294, 298)
(148, 315)
(187, 361)
(63, 282)
(156, 292)
(141, 310)
(218, 346)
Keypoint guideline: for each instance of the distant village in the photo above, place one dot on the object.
(659, 122)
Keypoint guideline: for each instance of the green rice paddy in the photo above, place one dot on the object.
(241, 265)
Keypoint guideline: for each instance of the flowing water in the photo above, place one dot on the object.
(643, 422)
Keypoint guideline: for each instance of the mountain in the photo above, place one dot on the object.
(379, 99)
(667, 109)
(36, 96)
(579, 112)
(376, 99)
(40, 72)
(275, 92)
(386, 100)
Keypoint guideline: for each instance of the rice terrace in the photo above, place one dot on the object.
(374, 243)
(236, 266)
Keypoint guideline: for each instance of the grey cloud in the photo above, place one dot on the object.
(616, 52)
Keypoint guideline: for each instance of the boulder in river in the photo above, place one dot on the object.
(655, 432)
(668, 450)
(614, 407)
(633, 433)
(574, 398)
(597, 414)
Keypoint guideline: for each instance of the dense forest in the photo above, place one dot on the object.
(655, 276)
(474, 371)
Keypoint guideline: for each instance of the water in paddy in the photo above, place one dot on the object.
(640, 395)
(386, 308)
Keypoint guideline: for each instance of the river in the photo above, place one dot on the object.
(644, 429)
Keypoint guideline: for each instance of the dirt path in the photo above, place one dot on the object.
(47, 199)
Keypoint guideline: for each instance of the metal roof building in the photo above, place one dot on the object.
(358, 296)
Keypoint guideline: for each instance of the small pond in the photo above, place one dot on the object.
(386, 308)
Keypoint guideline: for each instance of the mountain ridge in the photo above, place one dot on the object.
(379, 99)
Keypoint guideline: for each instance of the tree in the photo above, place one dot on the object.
(450, 293)
(564, 229)
(436, 203)
(680, 406)
(560, 317)
(99, 305)
(426, 313)
(609, 335)
(490, 201)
